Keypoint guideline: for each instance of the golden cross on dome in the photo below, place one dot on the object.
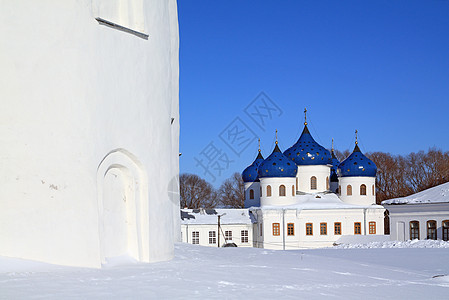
(356, 141)
(332, 144)
(276, 136)
(259, 144)
(305, 116)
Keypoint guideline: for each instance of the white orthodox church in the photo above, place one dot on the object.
(305, 198)
(89, 130)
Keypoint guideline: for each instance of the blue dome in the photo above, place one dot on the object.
(357, 164)
(335, 163)
(277, 165)
(308, 152)
(250, 173)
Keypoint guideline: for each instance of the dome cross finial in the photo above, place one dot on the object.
(305, 116)
(276, 136)
(259, 144)
(332, 144)
(356, 140)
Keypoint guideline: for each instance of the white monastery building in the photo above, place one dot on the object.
(200, 227)
(89, 129)
(305, 198)
(424, 215)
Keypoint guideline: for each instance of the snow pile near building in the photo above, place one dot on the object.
(437, 194)
(397, 244)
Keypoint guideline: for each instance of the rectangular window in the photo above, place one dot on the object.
(228, 235)
(323, 228)
(244, 236)
(290, 229)
(445, 230)
(261, 229)
(372, 227)
(357, 228)
(309, 229)
(195, 237)
(431, 230)
(337, 228)
(212, 237)
(276, 229)
(414, 230)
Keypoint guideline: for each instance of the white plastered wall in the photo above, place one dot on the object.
(73, 91)
(356, 182)
(322, 174)
(402, 215)
(275, 198)
(255, 186)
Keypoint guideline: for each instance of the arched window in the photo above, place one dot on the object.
(339, 190)
(282, 190)
(260, 191)
(363, 190)
(251, 194)
(293, 190)
(297, 183)
(268, 190)
(373, 190)
(431, 230)
(445, 230)
(313, 183)
(327, 183)
(349, 190)
(414, 230)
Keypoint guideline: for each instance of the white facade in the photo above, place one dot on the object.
(361, 190)
(424, 215)
(89, 130)
(318, 220)
(200, 227)
(305, 176)
(252, 194)
(277, 191)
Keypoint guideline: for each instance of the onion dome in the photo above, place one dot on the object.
(357, 164)
(277, 165)
(308, 152)
(335, 163)
(250, 173)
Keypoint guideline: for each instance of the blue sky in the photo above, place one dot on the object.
(381, 67)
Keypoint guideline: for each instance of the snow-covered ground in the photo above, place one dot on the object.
(420, 269)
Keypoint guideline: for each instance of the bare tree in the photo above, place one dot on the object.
(232, 192)
(195, 192)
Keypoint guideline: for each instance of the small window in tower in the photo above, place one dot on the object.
(282, 190)
(363, 190)
(251, 194)
(293, 190)
(268, 190)
(313, 183)
(349, 190)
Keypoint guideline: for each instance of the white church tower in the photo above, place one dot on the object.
(89, 130)
(313, 161)
(357, 178)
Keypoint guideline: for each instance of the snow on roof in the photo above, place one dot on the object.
(437, 194)
(210, 216)
(320, 201)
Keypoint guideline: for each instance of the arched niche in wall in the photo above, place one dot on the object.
(122, 187)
